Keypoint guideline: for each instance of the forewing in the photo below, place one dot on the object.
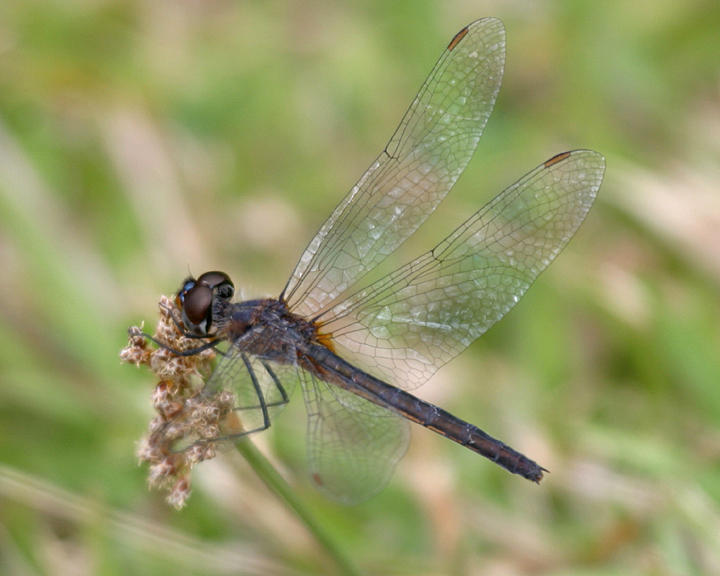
(408, 324)
(421, 162)
(353, 445)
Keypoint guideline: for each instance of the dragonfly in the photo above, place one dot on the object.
(359, 347)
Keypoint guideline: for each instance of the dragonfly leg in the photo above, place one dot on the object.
(190, 352)
(284, 396)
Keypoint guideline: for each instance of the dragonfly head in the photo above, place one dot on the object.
(196, 297)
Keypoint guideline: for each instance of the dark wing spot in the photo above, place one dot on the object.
(456, 39)
(557, 158)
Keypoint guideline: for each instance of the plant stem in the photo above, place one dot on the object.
(274, 480)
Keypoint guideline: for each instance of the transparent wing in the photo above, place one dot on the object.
(260, 389)
(352, 444)
(409, 323)
(241, 396)
(428, 152)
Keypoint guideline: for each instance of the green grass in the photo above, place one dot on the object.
(138, 140)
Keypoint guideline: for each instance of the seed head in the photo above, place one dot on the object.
(188, 420)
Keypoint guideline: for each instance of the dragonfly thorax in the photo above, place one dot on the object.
(264, 328)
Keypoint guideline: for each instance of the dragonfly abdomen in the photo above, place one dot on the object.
(328, 366)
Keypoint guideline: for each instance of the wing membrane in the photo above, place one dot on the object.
(352, 444)
(427, 153)
(260, 389)
(406, 325)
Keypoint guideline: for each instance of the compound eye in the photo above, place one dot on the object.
(197, 303)
(219, 283)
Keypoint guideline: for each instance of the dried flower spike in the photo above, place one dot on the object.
(187, 421)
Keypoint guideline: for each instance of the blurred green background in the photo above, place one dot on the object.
(142, 139)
